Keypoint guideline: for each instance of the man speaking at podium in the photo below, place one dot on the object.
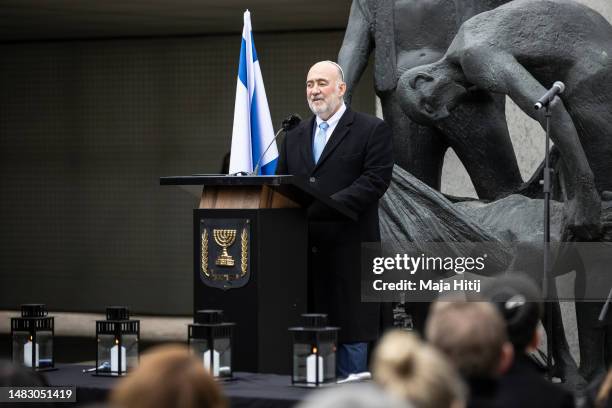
(347, 156)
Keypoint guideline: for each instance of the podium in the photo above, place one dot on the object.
(250, 237)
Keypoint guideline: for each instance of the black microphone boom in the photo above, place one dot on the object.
(557, 88)
(289, 123)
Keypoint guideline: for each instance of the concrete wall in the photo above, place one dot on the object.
(86, 130)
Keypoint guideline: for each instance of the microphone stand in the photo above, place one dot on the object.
(546, 101)
(256, 168)
(604, 309)
(547, 190)
(289, 123)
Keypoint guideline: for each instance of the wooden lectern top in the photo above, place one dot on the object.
(246, 197)
(255, 192)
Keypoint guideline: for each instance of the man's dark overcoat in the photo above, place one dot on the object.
(354, 169)
(524, 386)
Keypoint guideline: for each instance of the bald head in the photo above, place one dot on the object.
(325, 88)
(329, 65)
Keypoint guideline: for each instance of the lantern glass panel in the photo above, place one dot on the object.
(130, 342)
(327, 350)
(305, 362)
(44, 338)
(301, 352)
(201, 349)
(223, 345)
(109, 353)
(220, 362)
(198, 347)
(105, 344)
(22, 353)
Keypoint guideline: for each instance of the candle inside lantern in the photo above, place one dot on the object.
(27, 353)
(215, 369)
(115, 358)
(311, 367)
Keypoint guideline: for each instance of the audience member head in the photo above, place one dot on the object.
(360, 395)
(604, 394)
(168, 377)
(472, 335)
(15, 375)
(519, 301)
(12, 375)
(410, 369)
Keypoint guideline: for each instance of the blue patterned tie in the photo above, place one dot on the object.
(319, 141)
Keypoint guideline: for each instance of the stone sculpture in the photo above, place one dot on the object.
(519, 50)
(409, 33)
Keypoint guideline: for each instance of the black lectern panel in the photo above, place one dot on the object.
(274, 295)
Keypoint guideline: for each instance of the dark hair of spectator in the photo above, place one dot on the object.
(519, 301)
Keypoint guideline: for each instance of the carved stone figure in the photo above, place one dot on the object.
(519, 50)
(403, 34)
(412, 212)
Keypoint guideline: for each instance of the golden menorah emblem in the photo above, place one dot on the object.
(224, 238)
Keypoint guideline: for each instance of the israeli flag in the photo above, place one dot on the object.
(252, 131)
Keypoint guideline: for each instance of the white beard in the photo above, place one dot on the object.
(324, 107)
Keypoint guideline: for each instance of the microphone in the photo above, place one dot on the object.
(288, 123)
(557, 88)
(291, 121)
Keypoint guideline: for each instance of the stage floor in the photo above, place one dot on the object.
(247, 390)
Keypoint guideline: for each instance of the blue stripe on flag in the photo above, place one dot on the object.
(269, 169)
(253, 47)
(242, 66)
(256, 149)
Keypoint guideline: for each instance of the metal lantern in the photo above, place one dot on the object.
(212, 340)
(32, 338)
(117, 337)
(314, 352)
